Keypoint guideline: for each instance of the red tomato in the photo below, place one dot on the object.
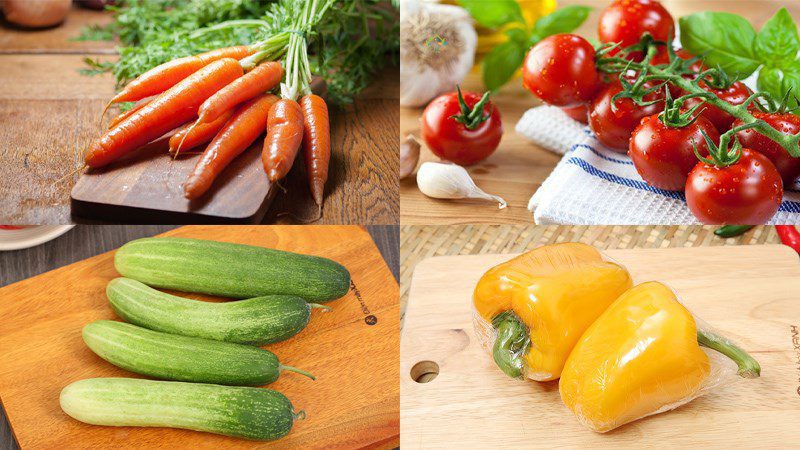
(735, 95)
(746, 193)
(664, 155)
(578, 113)
(560, 70)
(454, 141)
(787, 165)
(614, 128)
(625, 21)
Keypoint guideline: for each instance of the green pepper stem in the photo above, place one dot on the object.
(511, 344)
(300, 371)
(748, 367)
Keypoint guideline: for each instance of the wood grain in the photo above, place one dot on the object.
(471, 404)
(517, 169)
(48, 109)
(354, 402)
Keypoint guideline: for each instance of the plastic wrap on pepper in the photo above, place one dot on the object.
(644, 355)
(531, 310)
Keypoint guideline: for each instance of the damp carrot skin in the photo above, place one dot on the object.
(171, 109)
(195, 134)
(167, 75)
(254, 83)
(284, 135)
(139, 105)
(316, 144)
(241, 130)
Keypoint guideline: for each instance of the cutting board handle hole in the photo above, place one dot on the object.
(424, 371)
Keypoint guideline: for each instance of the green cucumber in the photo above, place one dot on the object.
(181, 358)
(230, 270)
(259, 321)
(245, 412)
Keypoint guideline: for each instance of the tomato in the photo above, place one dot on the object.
(614, 128)
(578, 113)
(736, 94)
(748, 192)
(664, 155)
(455, 141)
(560, 70)
(625, 21)
(787, 165)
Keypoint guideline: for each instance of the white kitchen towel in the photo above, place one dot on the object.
(593, 185)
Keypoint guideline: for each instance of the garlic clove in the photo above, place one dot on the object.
(450, 181)
(409, 156)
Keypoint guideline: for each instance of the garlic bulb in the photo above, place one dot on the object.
(409, 156)
(450, 181)
(437, 50)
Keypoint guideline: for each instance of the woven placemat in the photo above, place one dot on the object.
(421, 242)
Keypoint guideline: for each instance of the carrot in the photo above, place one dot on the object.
(284, 134)
(243, 128)
(174, 107)
(259, 80)
(316, 144)
(193, 135)
(139, 105)
(163, 77)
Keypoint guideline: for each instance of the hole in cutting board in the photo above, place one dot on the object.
(424, 371)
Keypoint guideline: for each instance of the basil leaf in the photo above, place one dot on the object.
(778, 81)
(563, 20)
(502, 63)
(725, 40)
(495, 13)
(778, 40)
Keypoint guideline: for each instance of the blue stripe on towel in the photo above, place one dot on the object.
(607, 158)
(786, 205)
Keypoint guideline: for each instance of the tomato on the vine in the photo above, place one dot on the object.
(787, 123)
(463, 128)
(625, 21)
(614, 126)
(578, 113)
(664, 155)
(560, 70)
(736, 94)
(748, 192)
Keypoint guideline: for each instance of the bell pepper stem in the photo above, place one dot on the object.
(511, 344)
(748, 367)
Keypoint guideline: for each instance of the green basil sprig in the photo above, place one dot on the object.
(505, 59)
(730, 42)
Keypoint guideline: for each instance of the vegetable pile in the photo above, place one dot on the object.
(222, 73)
(682, 115)
(207, 351)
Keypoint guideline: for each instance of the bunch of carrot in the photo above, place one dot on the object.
(221, 98)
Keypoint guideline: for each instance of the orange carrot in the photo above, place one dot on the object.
(243, 128)
(284, 135)
(172, 108)
(193, 135)
(259, 80)
(163, 77)
(316, 144)
(139, 105)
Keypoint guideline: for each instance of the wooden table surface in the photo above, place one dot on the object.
(85, 241)
(517, 168)
(49, 114)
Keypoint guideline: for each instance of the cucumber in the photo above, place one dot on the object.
(182, 358)
(230, 270)
(259, 321)
(245, 412)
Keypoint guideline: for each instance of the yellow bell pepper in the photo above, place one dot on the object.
(541, 302)
(640, 357)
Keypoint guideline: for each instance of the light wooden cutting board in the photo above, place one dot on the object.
(749, 293)
(353, 403)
